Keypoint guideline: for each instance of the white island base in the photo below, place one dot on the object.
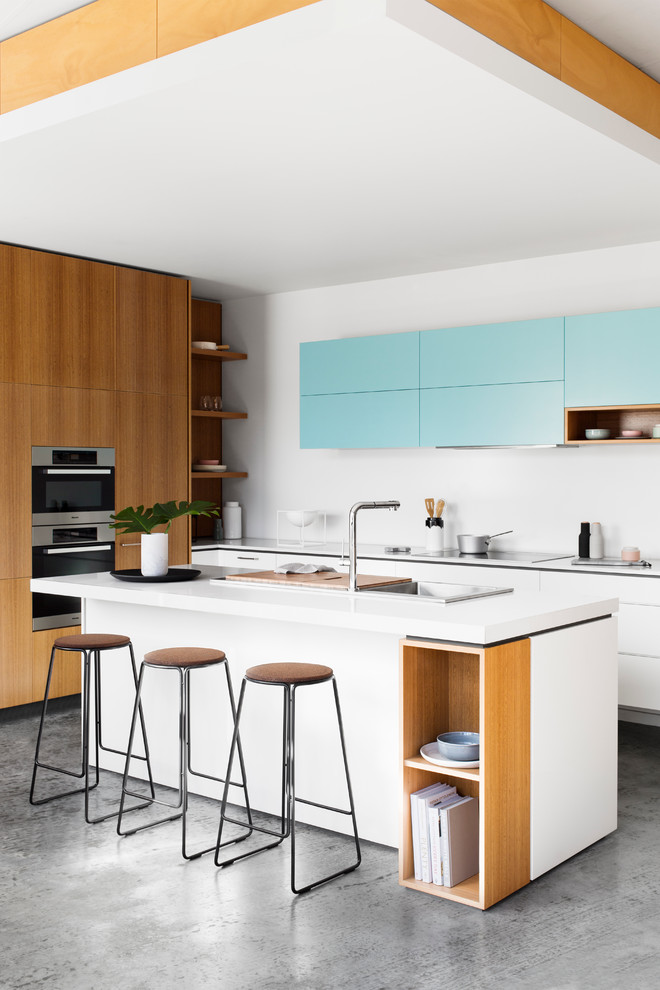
(536, 675)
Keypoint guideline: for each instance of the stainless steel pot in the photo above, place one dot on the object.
(477, 544)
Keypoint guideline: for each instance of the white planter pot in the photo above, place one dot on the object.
(154, 549)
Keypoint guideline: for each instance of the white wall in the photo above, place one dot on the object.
(542, 494)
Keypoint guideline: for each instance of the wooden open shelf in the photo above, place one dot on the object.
(211, 414)
(202, 352)
(444, 688)
(217, 475)
(206, 424)
(612, 418)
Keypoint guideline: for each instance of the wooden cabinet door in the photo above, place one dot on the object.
(493, 354)
(15, 643)
(492, 415)
(73, 417)
(66, 670)
(152, 465)
(612, 359)
(152, 332)
(16, 518)
(383, 362)
(73, 322)
(14, 314)
(360, 419)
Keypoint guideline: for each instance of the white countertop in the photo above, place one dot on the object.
(561, 561)
(481, 621)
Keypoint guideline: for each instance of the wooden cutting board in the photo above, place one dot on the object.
(322, 579)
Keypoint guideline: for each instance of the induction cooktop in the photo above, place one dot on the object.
(518, 555)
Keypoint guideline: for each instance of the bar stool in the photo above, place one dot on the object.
(183, 660)
(91, 645)
(290, 677)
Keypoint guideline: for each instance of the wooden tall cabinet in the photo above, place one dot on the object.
(14, 314)
(72, 330)
(91, 354)
(151, 466)
(152, 339)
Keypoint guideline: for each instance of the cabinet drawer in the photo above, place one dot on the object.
(639, 629)
(495, 577)
(491, 354)
(257, 560)
(492, 415)
(639, 682)
(362, 419)
(381, 362)
(627, 587)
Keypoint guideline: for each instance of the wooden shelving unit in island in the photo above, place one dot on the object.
(448, 687)
(206, 425)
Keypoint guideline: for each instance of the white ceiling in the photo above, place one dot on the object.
(335, 144)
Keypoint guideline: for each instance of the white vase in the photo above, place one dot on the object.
(154, 549)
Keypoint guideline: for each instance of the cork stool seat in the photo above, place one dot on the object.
(183, 660)
(91, 646)
(290, 677)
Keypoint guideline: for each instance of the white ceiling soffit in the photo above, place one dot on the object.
(347, 141)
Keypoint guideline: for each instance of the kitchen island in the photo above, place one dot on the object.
(534, 673)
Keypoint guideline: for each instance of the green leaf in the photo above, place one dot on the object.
(167, 511)
(132, 520)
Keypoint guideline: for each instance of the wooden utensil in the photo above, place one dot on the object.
(439, 506)
(429, 506)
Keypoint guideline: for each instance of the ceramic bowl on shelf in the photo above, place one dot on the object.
(209, 467)
(459, 745)
(204, 461)
(632, 434)
(597, 434)
(204, 345)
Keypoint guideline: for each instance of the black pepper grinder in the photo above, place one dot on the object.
(583, 540)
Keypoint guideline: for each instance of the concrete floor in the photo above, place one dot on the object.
(83, 909)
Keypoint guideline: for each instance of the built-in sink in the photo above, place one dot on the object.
(437, 591)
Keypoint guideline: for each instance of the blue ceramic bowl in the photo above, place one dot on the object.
(459, 745)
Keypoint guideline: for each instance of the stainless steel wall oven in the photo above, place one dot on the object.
(73, 496)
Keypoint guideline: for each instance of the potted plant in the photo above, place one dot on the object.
(154, 546)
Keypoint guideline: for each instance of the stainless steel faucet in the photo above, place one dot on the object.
(352, 542)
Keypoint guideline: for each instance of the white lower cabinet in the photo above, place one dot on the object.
(639, 629)
(256, 559)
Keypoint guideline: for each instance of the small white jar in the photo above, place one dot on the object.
(232, 519)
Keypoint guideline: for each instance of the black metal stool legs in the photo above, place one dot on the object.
(89, 656)
(289, 798)
(180, 805)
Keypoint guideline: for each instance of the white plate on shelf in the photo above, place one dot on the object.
(209, 467)
(431, 754)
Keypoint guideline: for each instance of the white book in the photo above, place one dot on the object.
(443, 791)
(460, 841)
(435, 833)
(416, 798)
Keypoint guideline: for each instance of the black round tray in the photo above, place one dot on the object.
(173, 574)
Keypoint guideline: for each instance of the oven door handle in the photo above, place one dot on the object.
(78, 471)
(80, 549)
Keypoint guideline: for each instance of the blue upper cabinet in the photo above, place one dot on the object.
(360, 419)
(493, 354)
(612, 359)
(360, 364)
(492, 415)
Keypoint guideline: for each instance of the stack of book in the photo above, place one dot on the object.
(445, 834)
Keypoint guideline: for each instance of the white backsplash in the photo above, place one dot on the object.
(542, 494)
